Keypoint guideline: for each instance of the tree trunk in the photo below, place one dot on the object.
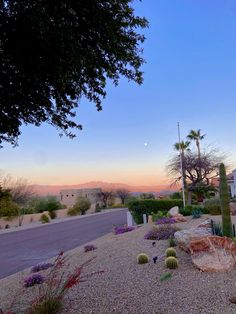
(189, 197)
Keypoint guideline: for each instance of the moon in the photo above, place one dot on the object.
(145, 144)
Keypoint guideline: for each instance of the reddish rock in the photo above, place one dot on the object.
(213, 253)
(179, 218)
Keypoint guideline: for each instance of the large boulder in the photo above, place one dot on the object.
(213, 253)
(174, 211)
(184, 237)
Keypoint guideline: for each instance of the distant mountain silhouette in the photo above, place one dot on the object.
(55, 189)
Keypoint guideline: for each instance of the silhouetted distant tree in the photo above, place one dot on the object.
(123, 194)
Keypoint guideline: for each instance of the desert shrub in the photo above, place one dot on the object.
(52, 214)
(140, 207)
(82, 205)
(213, 206)
(72, 212)
(41, 204)
(89, 247)
(142, 258)
(48, 306)
(162, 232)
(44, 219)
(187, 210)
(171, 262)
(123, 229)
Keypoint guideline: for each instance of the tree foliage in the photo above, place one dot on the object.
(52, 53)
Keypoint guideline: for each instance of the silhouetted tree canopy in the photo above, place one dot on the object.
(54, 52)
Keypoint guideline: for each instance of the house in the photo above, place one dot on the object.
(231, 179)
(69, 197)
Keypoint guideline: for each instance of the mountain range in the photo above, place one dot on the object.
(55, 189)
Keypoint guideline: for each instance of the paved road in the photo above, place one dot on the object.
(22, 249)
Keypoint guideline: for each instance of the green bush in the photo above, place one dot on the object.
(44, 219)
(52, 214)
(82, 205)
(140, 207)
(212, 206)
(187, 210)
(7, 207)
(72, 212)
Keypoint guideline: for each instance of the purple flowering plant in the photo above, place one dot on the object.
(123, 229)
(33, 280)
(89, 247)
(162, 232)
(165, 220)
(39, 267)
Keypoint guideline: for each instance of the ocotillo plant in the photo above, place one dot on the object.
(224, 202)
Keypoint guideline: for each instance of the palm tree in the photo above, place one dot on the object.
(182, 147)
(197, 137)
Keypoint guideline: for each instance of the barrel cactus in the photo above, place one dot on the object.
(170, 252)
(171, 262)
(142, 258)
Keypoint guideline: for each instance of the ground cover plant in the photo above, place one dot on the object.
(32, 280)
(122, 229)
(165, 220)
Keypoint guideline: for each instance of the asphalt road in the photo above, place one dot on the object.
(22, 249)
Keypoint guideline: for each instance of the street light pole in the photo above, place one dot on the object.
(181, 166)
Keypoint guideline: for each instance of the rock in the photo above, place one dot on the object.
(205, 224)
(184, 237)
(174, 211)
(213, 253)
(179, 218)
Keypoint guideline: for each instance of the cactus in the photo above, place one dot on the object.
(171, 262)
(142, 258)
(170, 252)
(224, 203)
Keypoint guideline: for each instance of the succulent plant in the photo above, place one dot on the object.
(172, 242)
(165, 276)
(170, 252)
(142, 258)
(171, 262)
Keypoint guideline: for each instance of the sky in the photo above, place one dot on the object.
(189, 77)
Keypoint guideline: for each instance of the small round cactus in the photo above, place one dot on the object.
(170, 252)
(171, 262)
(142, 258)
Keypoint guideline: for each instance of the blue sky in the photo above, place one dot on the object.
(190, 77)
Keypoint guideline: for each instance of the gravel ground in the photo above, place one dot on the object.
(126, 287)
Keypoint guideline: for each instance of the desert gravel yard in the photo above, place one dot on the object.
(127, 287)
